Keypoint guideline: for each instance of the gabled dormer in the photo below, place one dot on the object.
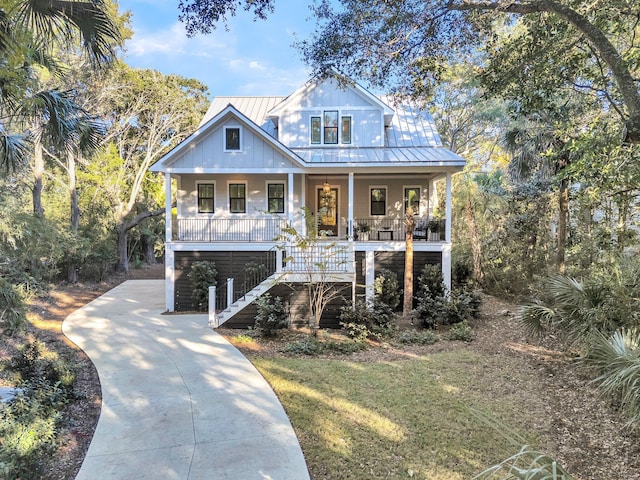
(327, 114)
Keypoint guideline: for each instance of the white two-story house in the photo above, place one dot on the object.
(353, 160)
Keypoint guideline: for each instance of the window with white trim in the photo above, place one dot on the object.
(275, 197)
(232, 139)
(206, 197)
(330, 128)
(412, 198)
(378, 200)
(237, 198)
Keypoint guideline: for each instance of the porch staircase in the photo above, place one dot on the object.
(216, 319)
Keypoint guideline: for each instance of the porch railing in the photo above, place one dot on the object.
(321, 257)
(384, 228)
(264, 229)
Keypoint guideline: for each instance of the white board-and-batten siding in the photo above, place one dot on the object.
(208, 153)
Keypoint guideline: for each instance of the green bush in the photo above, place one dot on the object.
(306, 346)
(272, 315)
(412, 337)
(202, 276)
(461, 331)
(387, 289)
(430, 279)
(361, 321)
(12, 308)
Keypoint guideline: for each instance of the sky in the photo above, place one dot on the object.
(252, 58)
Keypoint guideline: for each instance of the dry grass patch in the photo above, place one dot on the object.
(393, 419)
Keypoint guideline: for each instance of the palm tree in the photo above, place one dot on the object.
(540, 150)
(31, 32)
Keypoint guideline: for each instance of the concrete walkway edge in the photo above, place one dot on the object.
(178, 401)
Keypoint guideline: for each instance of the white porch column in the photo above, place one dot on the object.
(291, 197)
(229, 291)
(370, 275)
(167, 214)
(449, 210)
(350, 232)
(446, 252)
(303, 202)
(446, 266)
(169, 286)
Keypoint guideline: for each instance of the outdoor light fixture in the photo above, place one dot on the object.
(326, 187)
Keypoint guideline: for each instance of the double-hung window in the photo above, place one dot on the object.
(206, 197)
(330, 129)
(237, 198)
(378, 199)
(275, 197)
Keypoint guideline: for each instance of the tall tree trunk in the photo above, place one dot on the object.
(72, 267)
(122, 230)
(476, 248)
(148, 249)
(38, 174)
(407, 304)
(563, 221)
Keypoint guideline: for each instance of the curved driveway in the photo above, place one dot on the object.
(178, 401)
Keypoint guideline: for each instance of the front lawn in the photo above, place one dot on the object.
(392, 419)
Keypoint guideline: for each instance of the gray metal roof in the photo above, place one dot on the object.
(254, 108)
(410, 139)
(428, 156)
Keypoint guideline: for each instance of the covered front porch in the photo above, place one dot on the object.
(349, 206)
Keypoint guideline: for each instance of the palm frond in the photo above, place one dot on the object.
(60, 20)
(14, 150)
(617, 360)
(535, 317)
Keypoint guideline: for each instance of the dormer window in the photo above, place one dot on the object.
(329, 128)
(232, 139)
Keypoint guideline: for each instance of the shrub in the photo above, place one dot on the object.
(12, 308)
(387, 288)
(202, 276)
(361, 321)
(461, 331)
(431, 279)
(616, 359)
(306, 346)
(272, 315)
(412, 337)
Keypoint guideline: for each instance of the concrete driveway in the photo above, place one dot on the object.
(178, 401)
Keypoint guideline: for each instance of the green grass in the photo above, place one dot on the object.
(401, 419)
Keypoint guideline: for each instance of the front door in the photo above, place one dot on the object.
(328, 211)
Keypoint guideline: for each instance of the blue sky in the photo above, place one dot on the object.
(252, 58)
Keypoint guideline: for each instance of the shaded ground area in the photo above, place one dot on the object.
(567, 415)
(46, 315)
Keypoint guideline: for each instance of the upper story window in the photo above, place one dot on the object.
(275, 197)
(378, 197)
(329, 128)
(206, 197)
(346, 130)
(232, 139)
(237, 198)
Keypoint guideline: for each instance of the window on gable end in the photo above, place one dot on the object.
(331, 127)
(316, 130)
(232, 139)
(346, 130)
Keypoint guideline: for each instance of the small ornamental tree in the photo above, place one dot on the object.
(202, 276)
(318, 261)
